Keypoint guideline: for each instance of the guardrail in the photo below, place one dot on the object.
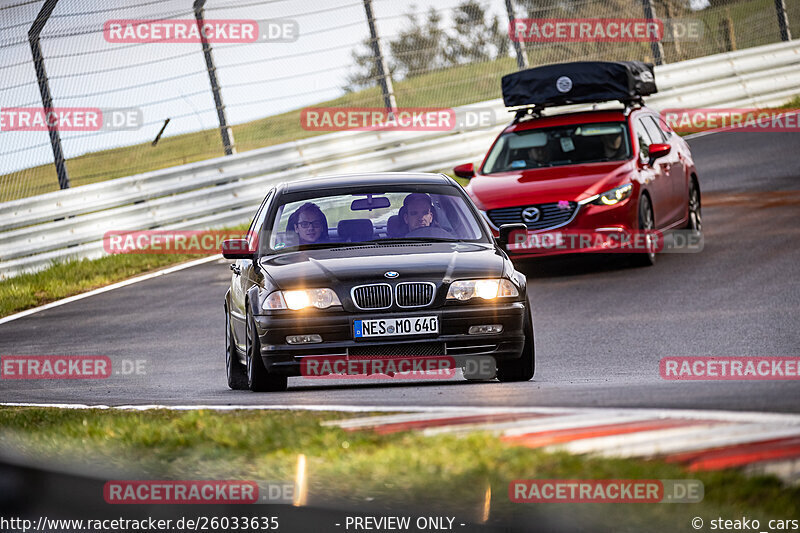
(60, 225)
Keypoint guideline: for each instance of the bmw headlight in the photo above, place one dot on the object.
(614, 196)
(300, 299)
(488, 289)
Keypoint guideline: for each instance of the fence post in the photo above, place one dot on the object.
(384, 77)
(655, 46)
(728, 31)
(783, 20)
(44, 89)
(519, 47)
(224, 129)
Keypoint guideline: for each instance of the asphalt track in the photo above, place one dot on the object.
(601, 327)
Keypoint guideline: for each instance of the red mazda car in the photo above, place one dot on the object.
(606, 172)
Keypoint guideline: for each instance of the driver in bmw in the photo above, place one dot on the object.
(418, 211)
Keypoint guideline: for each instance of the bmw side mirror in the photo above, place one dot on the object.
(467, 171)
(657, 151)
(236, 249)
(505, 233)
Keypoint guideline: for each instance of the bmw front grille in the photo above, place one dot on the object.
(375, 296)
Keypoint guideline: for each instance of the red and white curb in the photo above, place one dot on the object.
(700, 440)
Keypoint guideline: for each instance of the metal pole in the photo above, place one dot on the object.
(224, 129)
(783, 20)
(44, 89)
(519, 47)
(655, 46)
(384, 78)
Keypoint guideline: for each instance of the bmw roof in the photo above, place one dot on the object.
(373, 178)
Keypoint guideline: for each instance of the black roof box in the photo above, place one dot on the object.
(579, 82)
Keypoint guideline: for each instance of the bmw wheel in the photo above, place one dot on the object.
(237, 377)
(258, 379)
(521, 369)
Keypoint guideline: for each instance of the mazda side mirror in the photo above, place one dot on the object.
(467, 171)
(657, 151)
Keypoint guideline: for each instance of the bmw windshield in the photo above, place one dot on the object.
(388, 215)
(560, 145)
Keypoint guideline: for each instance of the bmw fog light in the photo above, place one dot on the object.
(487, 329)
(304, 339)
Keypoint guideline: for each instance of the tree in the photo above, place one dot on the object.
(366, 74)
(419, 48)
(476, 39)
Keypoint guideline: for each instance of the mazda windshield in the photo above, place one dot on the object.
(559, 145)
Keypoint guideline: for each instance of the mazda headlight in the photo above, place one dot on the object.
(488, 289)
(300, 299)
(614, 196)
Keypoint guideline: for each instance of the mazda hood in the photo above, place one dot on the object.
(545, 185)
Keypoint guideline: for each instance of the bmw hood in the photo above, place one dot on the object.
(353, 265)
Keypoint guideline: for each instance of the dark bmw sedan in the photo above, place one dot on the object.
(372, 266)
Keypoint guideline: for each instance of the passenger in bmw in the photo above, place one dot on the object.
(309, 223)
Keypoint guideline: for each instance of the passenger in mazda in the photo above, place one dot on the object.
(310, 224)
(538, 156)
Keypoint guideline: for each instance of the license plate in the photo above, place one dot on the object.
(545, 240)
(386, 327)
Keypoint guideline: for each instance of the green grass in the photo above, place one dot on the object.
(794, 103)
(754, 24)
(435, 474)
(73, 277)
(68, 278)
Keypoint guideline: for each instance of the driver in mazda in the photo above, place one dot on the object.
(612, 146)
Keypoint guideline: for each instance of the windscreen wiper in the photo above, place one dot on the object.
(320, 246)
(406, 240)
